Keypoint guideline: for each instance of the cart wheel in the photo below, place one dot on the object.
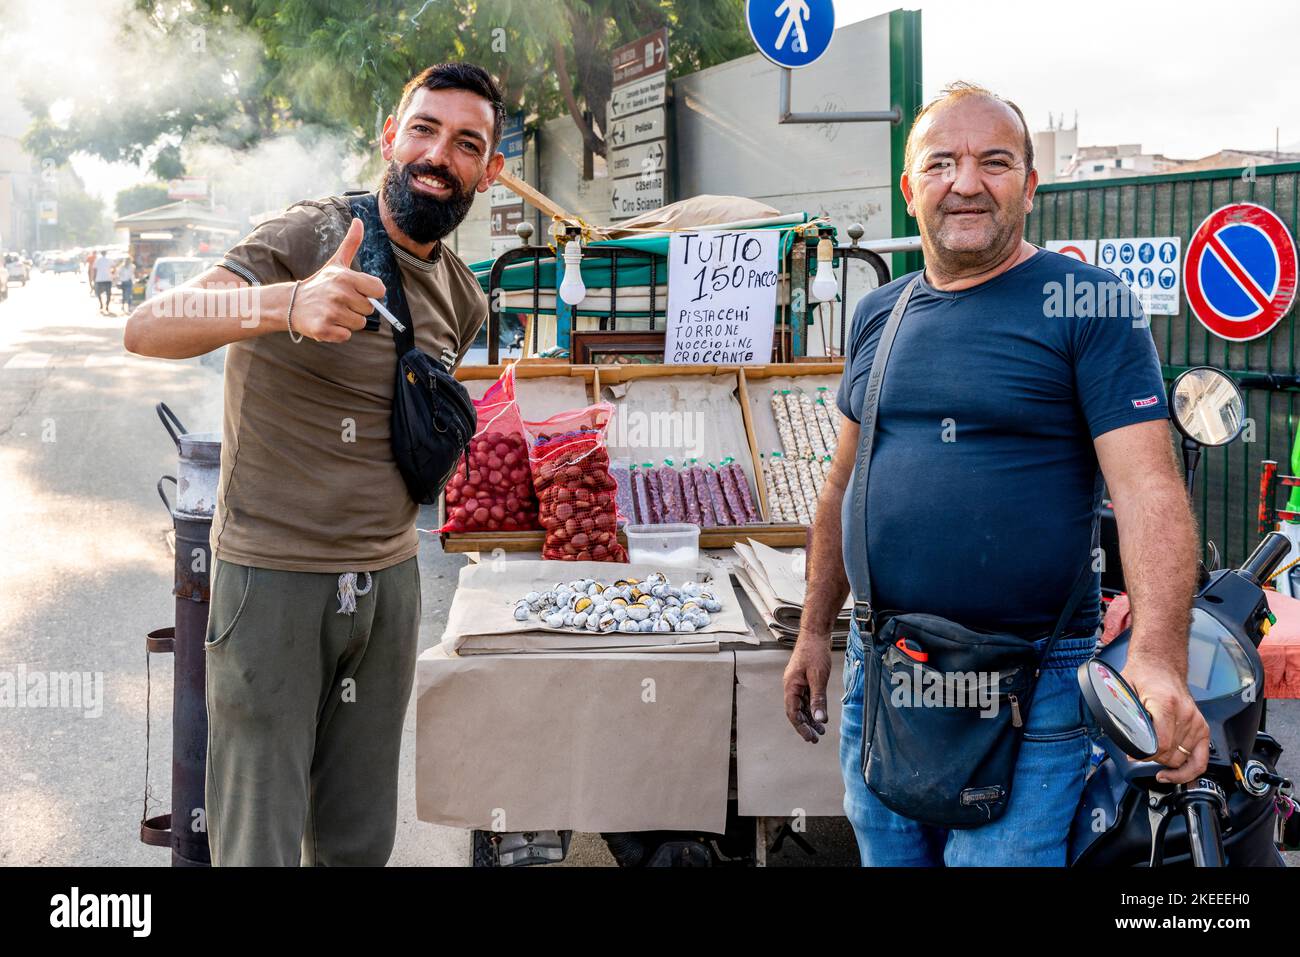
(483, 852)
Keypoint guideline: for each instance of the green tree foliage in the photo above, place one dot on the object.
(238, 71)
(82, 221)
(133, 199)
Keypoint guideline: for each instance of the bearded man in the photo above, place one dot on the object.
(314, 616)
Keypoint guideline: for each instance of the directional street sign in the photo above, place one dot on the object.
(506, 218)
(638, 96)
(512, 136)
(638, 154)
(631, 197)
(506, 208)
(636, 160)
(791, 33)
(637, 129)
(1240, 274)
(641, 57)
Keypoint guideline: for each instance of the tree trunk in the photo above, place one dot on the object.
(593, 142)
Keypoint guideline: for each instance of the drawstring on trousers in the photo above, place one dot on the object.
(348, 591)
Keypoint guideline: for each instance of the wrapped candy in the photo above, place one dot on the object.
(621, 472)
(808, 410)
(656, 496)
(807, 495)
(690, 499)
(670, 490)
(641, 497)
(721, 509)
(822, 418)
(788, 490)
(784, 430)
(828, 404)
(815, 471)
(708, 518)
(775, 503)
(744, 511)
(794, 410)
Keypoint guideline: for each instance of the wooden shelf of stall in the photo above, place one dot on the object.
(777, 535)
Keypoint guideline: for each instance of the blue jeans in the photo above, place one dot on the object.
(1048, 784)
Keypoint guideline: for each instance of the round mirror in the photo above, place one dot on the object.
(1207, 406)
(1117, 709)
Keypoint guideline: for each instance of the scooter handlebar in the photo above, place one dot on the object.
(1267, 557)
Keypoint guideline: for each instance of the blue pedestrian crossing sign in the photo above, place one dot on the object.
(791, 33)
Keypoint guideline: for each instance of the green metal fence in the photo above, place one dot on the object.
(1174, 205)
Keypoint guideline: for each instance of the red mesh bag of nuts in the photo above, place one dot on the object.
(575, 492)
(495, 492)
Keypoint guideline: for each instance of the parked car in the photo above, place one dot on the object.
(64, 262)
(17, 268)
(171, 271)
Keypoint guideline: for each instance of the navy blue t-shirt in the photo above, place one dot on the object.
(984, 482)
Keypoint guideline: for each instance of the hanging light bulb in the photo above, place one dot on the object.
(824, 287)
(572, 289)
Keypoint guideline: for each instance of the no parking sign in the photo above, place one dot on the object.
(1240, 274)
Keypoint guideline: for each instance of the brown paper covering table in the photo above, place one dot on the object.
(617, 741)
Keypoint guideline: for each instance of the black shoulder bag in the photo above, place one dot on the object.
(945, 705)
(433, 416)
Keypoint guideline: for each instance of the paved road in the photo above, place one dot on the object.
(88, 571)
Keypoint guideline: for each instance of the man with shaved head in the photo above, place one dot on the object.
(1004, 410)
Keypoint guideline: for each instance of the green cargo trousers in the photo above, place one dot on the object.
(305, 712)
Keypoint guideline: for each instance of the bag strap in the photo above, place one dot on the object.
(1081, 582)
(376, 257)
(856, 542)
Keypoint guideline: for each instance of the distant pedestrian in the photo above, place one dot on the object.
(126, 279)
(90, 272)
(103, 281)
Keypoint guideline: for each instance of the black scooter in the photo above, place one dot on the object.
(1230, 815)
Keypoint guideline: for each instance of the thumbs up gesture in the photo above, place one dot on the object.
(333, 304)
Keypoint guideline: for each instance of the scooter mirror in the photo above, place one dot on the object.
(1207, 406)
(1117, 709)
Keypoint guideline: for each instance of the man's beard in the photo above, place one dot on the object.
(425, 219)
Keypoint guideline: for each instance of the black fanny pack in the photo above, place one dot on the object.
(945, 705)
(941, 735)
(433, 416)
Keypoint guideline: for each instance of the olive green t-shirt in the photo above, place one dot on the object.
(308, 479)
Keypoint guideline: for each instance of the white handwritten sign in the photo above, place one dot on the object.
(721, 297)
